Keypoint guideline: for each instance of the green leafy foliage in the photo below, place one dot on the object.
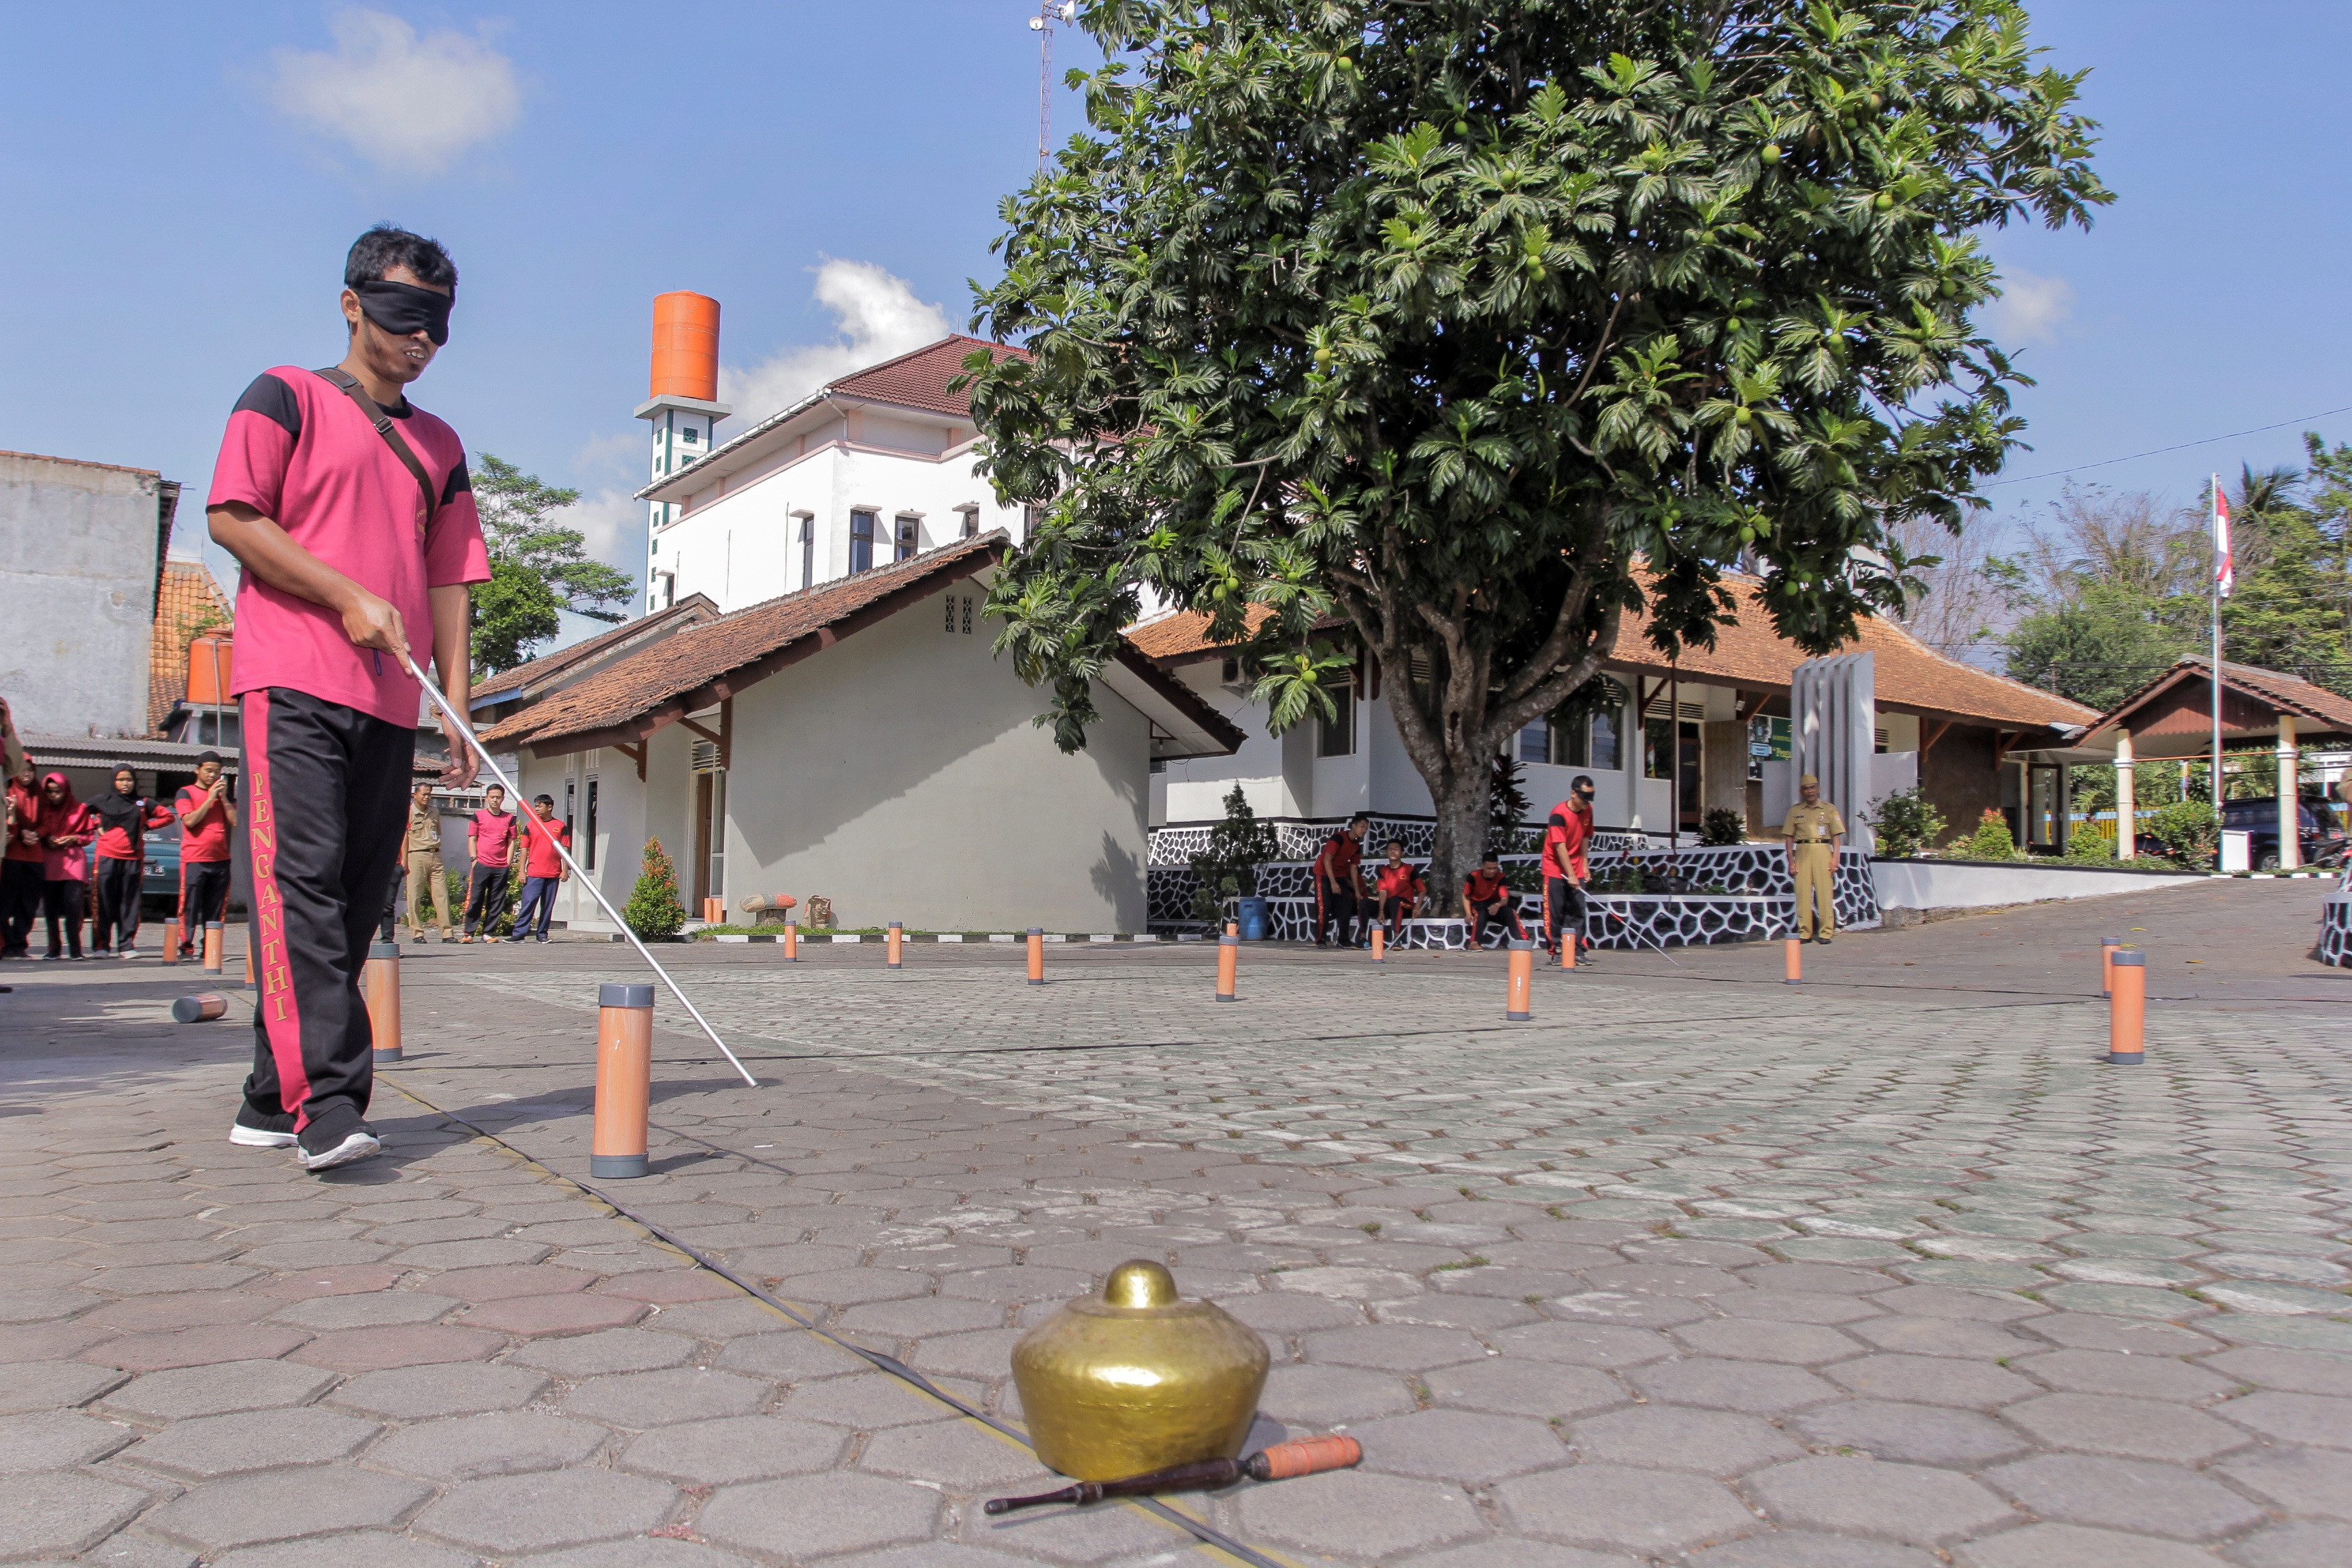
(2087, 847)
(1507, 810)
(1721, 825)
(1228, 865)
(1907, 823)
(1991, 841)
(2190, 832)
(1434, 320)
(538, 567)
(652, 910)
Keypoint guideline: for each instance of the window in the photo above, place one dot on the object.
(861, 541)
(966, 614)
(588, 861)
(970, 522)
(909, 536)
(808, 551)
(1337, 737)
(1031, 516)
(1535, 742)
(1570, 741)
(1658, 749)
(952, 608)
(690, 436)
(1604, 753)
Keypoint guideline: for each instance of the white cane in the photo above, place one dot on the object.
(590, 882)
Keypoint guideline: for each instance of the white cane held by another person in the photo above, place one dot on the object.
(462, 728)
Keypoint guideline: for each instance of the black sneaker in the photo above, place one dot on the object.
(355, 1145)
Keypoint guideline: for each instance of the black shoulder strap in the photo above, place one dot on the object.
(338, 376)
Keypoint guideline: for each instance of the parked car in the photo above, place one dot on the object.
(2324, 844)
(160, 878)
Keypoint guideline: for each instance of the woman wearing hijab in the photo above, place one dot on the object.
(20, 871)
(67, 827)
(124, 816)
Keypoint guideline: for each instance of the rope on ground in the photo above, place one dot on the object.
(1207, 1534)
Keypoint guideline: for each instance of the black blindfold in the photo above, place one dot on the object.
(402, 309)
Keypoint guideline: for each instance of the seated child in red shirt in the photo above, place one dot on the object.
(1486, 895)
(1400, 889)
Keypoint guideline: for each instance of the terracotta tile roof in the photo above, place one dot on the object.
(1908, 674)
(1749, 654)
(919, 380)
(693, 669)
(188, 601)
(551, 666)
(2291, 693)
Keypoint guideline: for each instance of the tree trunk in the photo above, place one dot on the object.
(1462, 812)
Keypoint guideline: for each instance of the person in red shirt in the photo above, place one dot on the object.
(124, 816)
(1399, 888)
(207, 811)
(489, 845)
(1339, 884)
(1486, 895)
(20, 872)
(351, 513)
(66, 826)
(1565, 868)
(543, 870)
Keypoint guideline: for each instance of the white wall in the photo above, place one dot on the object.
(78, 547)
(900, 773)
(742, 546)
(1939, 885)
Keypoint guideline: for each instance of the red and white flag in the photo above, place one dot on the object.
(2225, 576)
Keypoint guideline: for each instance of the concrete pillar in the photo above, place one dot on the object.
(2289, 803)
(2127, 802)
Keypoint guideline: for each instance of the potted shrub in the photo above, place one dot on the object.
(1227, 865)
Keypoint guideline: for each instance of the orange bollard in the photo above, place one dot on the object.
(1229, 963)
(379, 983)
(200, 1009)
(1233, 928)
(625, 1080)
(1380, 945)
(1523, 976)
(1568, 940)
(2108, 945)
(792, 942)
(897, 936)
(172, 940)
(1036, 955)
(2127, 1009)
(215, 935)
(1796, 956)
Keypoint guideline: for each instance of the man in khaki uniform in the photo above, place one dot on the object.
(422, 848)
(1812, 834)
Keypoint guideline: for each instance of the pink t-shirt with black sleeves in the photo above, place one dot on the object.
(299, 452)
(493, 836)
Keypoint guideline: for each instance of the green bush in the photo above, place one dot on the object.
(2189, 832)
(1721, 825)
(652, 910)
(2086, 847)
(1228, 865)
(1907, 823)
(1991, 841)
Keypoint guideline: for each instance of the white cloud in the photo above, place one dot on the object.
(612, 522)
(2031, 308)
(408, 104)
(878, 317)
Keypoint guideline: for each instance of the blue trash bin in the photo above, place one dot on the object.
(1252, 916)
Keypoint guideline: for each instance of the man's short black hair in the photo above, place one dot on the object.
(384, 247)
(1582, 781)
(1363, 816)
(543, 800)
(203, 757)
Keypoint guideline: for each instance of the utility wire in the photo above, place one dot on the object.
(2182, 447)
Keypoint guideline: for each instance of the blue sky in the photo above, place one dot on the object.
(185, 188)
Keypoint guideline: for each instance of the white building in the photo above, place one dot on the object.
(874, 468)
(858, 740)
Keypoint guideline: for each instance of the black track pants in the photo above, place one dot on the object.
(118, 903)
(327, 800)
(1563, 910)
(203, 897)
(20, 903)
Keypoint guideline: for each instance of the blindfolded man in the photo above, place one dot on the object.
(352, 514)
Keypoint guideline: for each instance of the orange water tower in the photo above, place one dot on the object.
(683, 407)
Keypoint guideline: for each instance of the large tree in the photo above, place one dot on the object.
(538, 566)
(1476, 324)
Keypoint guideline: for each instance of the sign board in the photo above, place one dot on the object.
(1768, 739)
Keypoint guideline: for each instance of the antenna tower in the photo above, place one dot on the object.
(1049, 12)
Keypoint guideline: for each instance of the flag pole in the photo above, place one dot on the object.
(2220, 569)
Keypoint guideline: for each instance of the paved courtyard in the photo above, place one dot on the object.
(1883, 1272)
